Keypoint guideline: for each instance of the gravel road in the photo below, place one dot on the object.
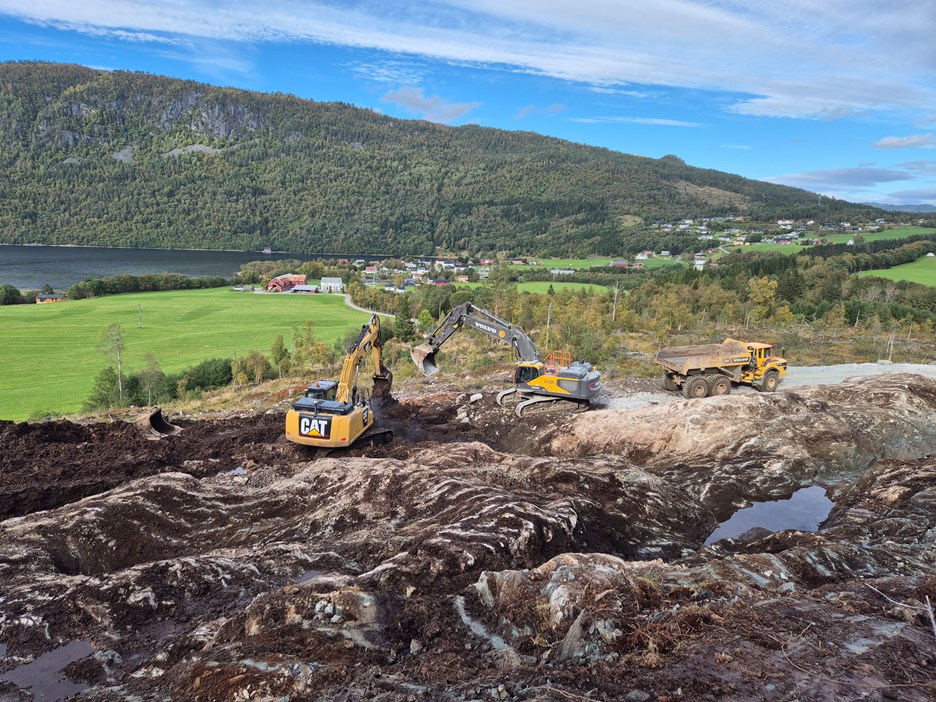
(798, 376)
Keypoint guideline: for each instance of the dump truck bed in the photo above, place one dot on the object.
(684, 359)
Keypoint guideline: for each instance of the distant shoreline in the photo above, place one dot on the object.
(239, 251)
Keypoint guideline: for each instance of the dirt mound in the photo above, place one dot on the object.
(478, 557)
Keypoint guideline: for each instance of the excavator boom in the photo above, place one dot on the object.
(467, 315)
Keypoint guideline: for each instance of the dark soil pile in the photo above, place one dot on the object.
(478, 556)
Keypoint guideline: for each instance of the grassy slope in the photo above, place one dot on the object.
(569, 263)
(923, 271)
(542, 286)
(896, 233)
(50, 358)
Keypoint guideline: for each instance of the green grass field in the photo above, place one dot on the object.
(50, 358)
(576, 263)
(542, 287)
(922, 271)
(896, 233)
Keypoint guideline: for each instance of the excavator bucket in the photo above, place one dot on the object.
(382, 384)
(424, 358)
(157, 426)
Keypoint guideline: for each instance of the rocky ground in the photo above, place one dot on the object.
(478, 557)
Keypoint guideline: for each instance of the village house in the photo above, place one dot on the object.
(331, 285)
(43, 298)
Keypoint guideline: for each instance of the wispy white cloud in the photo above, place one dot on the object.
(653, 121)
(432, 108)
(916, 141)
(924, 168)
(530, 110)
(737, 147)
(786, 58)
(841, 179)
(390, 72)
(916, 194)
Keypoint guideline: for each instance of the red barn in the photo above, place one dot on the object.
(285, 282)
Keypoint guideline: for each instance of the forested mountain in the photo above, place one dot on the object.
(129, 159)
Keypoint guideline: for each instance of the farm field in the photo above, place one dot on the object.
(576, 263)
(896, 233)
(922, 271)
(50, 357)
(542, 286)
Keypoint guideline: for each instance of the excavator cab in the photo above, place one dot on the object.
(526, 374)
(322, 390)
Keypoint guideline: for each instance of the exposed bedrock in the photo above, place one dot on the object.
(449, 569)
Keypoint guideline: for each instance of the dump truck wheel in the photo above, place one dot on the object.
(770, 381)
(669, 383)
(719, 385)
(696, 387)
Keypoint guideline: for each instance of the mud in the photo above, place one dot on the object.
(478, 558)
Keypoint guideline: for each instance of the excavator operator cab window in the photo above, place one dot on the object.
(525, 374)
(322, 391)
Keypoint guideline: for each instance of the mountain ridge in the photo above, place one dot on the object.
(132, 159)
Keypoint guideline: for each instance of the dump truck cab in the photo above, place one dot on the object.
(763, 368)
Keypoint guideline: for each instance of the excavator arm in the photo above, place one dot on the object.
(467, 315)
(369, 339)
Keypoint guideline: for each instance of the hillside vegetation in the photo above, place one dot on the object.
(129, 159)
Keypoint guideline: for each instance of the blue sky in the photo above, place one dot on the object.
(836, 96)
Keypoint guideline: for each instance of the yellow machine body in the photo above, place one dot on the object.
(332, 413)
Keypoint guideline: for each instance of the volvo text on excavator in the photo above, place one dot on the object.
(335, 414)
(539, 386)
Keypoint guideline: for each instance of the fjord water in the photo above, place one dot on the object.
(31, 267)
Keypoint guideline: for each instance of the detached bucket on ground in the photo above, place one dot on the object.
(157, 426)
(424, 358)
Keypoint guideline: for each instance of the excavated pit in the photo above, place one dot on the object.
(478, 556)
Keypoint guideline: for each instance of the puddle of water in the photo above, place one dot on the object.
(309, 575)
(43, 677)
(804, 511)
(3, 648)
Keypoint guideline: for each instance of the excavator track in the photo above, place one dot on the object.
(542, 404)
(508, 397)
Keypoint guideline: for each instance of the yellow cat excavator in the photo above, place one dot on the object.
(334, 413)
(540, 386)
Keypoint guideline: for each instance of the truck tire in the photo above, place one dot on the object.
(769, 382)
(669, 383)
(719, 385)
(695, 387)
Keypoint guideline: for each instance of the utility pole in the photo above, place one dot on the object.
(614, 306)
(548, 323)
(139, 316)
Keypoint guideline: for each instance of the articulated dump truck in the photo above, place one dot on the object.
(710, 369)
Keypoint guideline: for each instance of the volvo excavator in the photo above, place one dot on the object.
(334, 413)
(539, 386)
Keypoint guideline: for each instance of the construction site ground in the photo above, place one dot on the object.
(479, 556)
